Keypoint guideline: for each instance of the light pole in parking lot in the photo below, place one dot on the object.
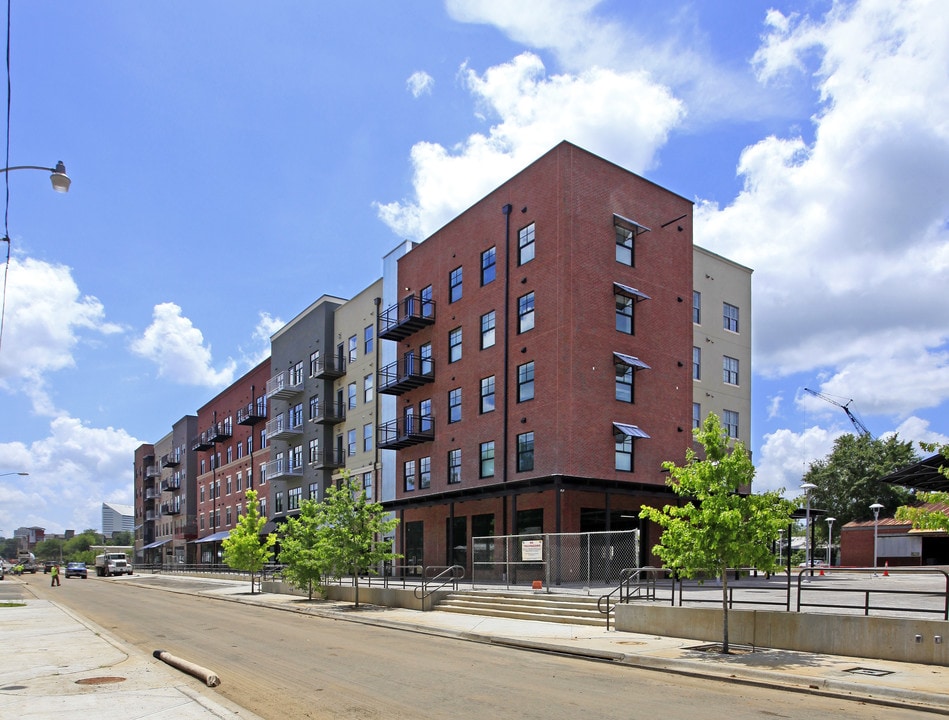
(830, 537)
(876, 507)
(807, 487)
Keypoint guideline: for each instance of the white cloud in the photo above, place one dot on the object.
(420, 83)
(177, 347)
(848, 234)
(267, 325)
(45, 319)
(72, 472)
(534, 112)
(785, 456)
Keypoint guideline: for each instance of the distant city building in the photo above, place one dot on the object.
(117, 518)
(27, 537)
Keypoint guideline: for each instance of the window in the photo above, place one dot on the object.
(454, 405)
(350, 442)
(240, 450)
(230, 454)
(293, 498)
(202, 493)
(454, 285)
(425, 358)
(487, 329)
(525, 452)
(314, 407)
(696, 415)
(250, 444)
(263, 507)
(313, 491)
(729, 370)
(313, 450)
(454, 466)
(525, 244)
(367, 340)
(263, 473)
(296, 457)
(624, 313)
(408, 475)
(227, 515)
(239, 482)
(624, 245)
(487, 394)
(351, 395)
(367, 484)
(296, 374)
(428, 307)
(367, 437)
(454, 345)
(227, 484)
(250, 478)
(487, 459)
(696, 363)
(263, 439)
(525, 312)
(278, 502)
(624, 381)
(530, 522)
(525, 381)
(730, 420)
(624, 452)
(353, 348)
(696, 307)
(425, 415)
(367, 389)
(314, 363)
(425, 473)
(730, 317)
(296, 415)
(488, 266)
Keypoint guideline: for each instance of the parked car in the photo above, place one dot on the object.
(76, 569)
(814, 563)
(48, 565)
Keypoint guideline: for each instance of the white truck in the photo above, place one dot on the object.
(112, 563)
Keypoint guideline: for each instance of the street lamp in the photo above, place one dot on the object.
(807, 487)
(830, 537)
(876, 507)
(13, 473)
(58, 178)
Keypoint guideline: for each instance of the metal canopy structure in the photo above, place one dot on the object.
(924, 475)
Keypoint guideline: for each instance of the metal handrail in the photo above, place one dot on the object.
(447, 576)
(868, 592)
(627, 590)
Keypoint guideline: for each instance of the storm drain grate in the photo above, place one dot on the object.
(869, 671)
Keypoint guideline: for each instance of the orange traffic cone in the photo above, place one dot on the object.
(821, 573)
(886, 569)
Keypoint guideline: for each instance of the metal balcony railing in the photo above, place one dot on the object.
(406, 431)
(405, 374)
(406, 317)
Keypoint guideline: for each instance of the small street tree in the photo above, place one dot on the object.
(244, 548)
(932, 514)
(305, 562)
(716, 527)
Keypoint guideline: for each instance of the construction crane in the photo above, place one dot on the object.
(861, 428)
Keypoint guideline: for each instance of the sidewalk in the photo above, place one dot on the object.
(85, 651)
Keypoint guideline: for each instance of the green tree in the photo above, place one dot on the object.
(925, 517)
(849, 479)
(122, 537)
(305, 563)
(49, 549)
(245, 548)
(716, 527)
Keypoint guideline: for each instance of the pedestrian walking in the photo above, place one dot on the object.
(54, 571)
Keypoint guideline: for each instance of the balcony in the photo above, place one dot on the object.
(330, 460)
(150, 516)
(328, 413)
(172, 483)
(171, 508)
(407, 431)
(405, 318)
(285, 385)
(329, 368)
(172, 459)
(405, 374)
(281, 468)
(152, 471)
(252, 413)
(201, 442)
(219, 432)
(152, 494)
(284, 427)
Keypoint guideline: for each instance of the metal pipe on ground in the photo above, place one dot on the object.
(209, 678)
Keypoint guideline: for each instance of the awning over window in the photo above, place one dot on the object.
(216, 537)
(630, 430)
(155, 544)
(629, 224)
(630, 292)
(633, 362)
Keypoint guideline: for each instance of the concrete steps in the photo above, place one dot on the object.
(542, 607)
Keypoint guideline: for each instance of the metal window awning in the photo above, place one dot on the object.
(632, 431)
(629, 224)
(633, 362)
(213, 538)
(159, 543)
(630, 292)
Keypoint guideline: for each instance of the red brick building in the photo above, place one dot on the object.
(544, 359)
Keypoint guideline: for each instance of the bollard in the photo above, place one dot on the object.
(886, 569)
(209, 678)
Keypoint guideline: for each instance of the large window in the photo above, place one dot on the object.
(351, 442)
(487, 394)
(525, 381)
(730, 421)
(624, 381)
(696, 307)
(729, 370)
(296, 416)
(525, 312)
(367, 437)
(428, 307)
(696, 363)
(314, 363)
(525, 244)
(624, 452)
(314, 406)
(353, 348)
(454, 285)
(454, 345)
(408, 475)
(624, 246)
(293, 498)
(351, 395)
(454, 466)
(487, 459)
(696, 415)
(488, 265)
(624, 313)
(367, 340)
(313, 450)
(367, 388)
(488, 322)
(525, 452)
(425, 473)
(454, 405)
(730, 317)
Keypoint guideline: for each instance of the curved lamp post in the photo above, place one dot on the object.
(830, 537)
(58, 178)
(876, 507)
(807, 487)
(13, 473)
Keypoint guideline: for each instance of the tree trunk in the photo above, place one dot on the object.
(356, 576)
(252, 582)
(725, 610)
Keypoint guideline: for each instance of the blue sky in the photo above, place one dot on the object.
(231, 162)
